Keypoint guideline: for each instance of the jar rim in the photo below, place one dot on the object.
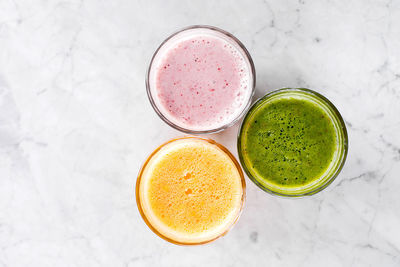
(228, 227)
(252, 74)
(340, 130)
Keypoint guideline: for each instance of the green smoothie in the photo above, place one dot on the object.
(288, 141)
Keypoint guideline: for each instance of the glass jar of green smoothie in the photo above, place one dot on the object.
(293, 142)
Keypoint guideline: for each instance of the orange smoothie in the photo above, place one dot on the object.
(190, 191)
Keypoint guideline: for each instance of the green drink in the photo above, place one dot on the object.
(292, 142)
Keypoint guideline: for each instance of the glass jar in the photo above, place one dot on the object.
(184, 110)
(337, 160)
(202, 192)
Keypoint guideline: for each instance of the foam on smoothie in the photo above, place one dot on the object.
(203, 80)
(191, 191)
(290, 141)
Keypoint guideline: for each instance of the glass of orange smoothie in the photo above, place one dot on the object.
(190, 191)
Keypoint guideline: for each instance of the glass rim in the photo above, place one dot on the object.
(341, 130)
(225, 126)
(229, 226)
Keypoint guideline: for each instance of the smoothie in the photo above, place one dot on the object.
(289, 142)
(190, 191)
(202, 80)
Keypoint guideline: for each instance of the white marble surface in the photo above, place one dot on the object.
(75, 126)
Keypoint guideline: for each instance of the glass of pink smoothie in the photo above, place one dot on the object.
(201, 80)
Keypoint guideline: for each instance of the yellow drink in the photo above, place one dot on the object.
(190, 191)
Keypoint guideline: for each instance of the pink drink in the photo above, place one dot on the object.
(202, 80)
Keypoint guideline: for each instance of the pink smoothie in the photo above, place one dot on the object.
(203, 82)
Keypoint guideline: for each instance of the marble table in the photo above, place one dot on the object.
(76, 125)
